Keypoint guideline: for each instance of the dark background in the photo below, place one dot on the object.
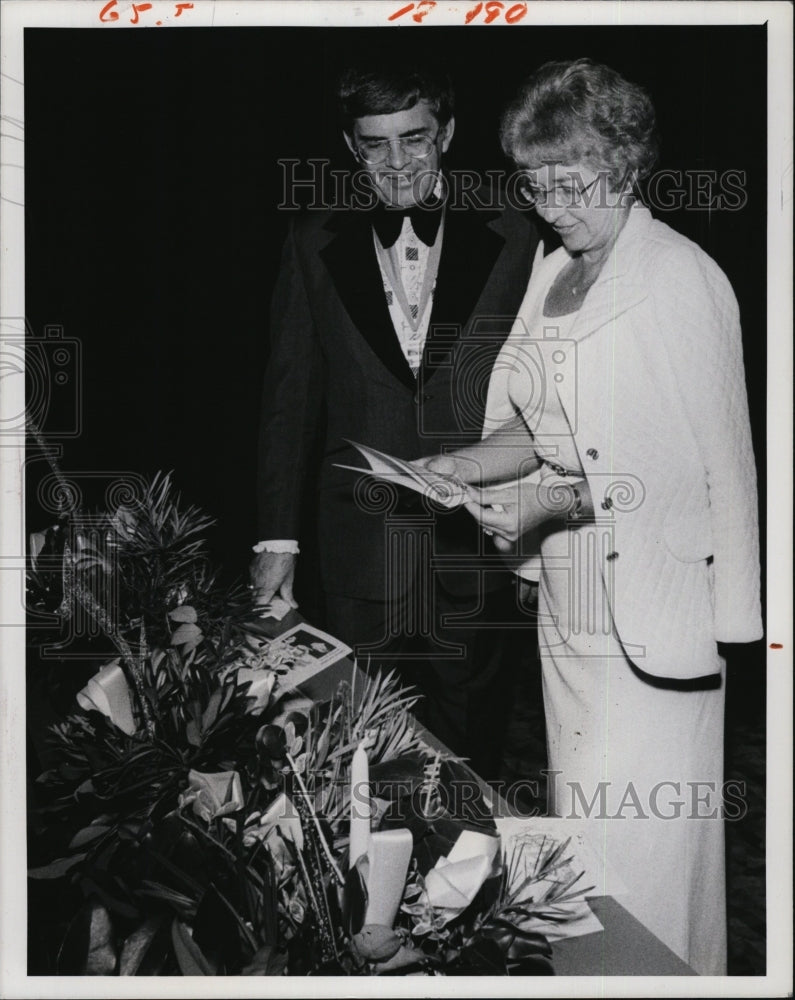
(153, 238)
(153, 234)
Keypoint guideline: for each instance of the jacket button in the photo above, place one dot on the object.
(607, 503)
(592, 453)
(611, 556)
(421, 397)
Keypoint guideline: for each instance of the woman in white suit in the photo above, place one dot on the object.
(619, 400)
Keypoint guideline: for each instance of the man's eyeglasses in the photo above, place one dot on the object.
(415, 146)
(560, 196)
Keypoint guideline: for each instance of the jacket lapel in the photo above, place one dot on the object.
(609, 298)
(469, 252)
(617, 290)
(351, 261)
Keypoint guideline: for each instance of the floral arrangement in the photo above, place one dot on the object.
(196, 816)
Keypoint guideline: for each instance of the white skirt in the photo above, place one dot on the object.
(642, 764)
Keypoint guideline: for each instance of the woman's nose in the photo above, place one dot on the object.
(549, 211)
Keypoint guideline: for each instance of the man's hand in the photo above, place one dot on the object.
(273, 573)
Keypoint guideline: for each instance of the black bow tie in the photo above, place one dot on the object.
(424, 218)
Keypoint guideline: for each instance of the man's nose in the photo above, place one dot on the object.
(397, 158)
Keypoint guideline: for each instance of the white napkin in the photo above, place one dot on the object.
(455, 880)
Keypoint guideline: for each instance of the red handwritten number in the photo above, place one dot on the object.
(401, 12)
(139, 8)
(493, 10)
(419, 15)
(183, 6)
(113, 15)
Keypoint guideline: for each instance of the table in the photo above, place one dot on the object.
(624, 948)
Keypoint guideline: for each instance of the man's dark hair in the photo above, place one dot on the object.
(383, 89)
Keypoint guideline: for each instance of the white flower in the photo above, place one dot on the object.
(109, 693)
(213, 795)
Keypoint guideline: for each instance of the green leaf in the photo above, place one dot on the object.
(406, 957)
(183, 904)
(56, 868)
(186, 634)
(189, 956)
(102, 958)
(113, 903)
(394, 778)
(267, 961)
(211, 712)
(216, 930)
(69, 772)
(144, 951)
(87, 947)
(87, 834)
(184, 613)
(483, 957)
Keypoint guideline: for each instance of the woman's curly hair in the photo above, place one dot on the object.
(582, 112)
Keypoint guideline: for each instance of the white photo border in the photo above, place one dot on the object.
(15, 16)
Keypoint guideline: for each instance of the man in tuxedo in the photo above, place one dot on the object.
(385, 324)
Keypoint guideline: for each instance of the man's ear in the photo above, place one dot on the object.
(350, 144)
(447, 134)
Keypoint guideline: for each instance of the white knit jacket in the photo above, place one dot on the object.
(659, 416)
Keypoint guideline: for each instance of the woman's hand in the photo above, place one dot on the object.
(508, 514)
(506, 454)
(504, 515)
(463, 469)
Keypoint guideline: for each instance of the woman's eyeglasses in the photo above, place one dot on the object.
(415, 146)
(560, 196)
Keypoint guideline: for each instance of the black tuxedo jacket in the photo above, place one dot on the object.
(337, 371)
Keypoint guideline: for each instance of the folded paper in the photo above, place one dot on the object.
(448, 491)
(455, 880)
(574, 917)
(261, 681)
